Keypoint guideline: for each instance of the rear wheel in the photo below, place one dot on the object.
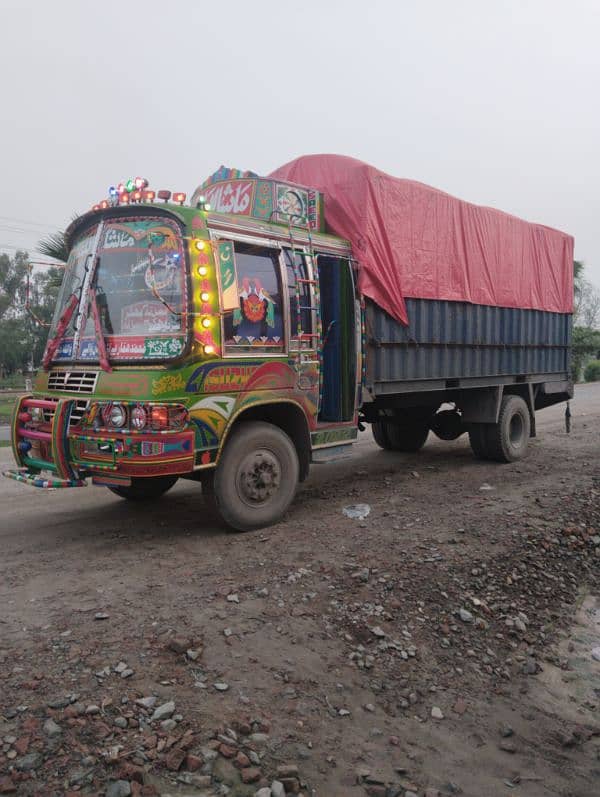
(256, 478)
(394, 435)
(145, 489)
(380, 435)
(478, 440)
(447, 425)
(507, 440)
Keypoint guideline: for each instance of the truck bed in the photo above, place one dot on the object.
(457, 344)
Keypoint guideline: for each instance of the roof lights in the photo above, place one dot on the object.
(136, 190)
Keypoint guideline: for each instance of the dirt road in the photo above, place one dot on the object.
(443, 642)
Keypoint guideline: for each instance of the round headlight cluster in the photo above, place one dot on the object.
(139, 417)
(116, 415)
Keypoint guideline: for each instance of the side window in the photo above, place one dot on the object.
(301, 292)
(256, 326)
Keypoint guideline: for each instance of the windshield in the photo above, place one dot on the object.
(136, 295)
(79, 259)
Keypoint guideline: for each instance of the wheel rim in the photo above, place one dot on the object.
(258, 477)
(516, 430)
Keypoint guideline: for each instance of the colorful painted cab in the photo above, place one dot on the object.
(188, 342)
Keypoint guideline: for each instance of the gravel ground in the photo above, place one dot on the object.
(443, 644)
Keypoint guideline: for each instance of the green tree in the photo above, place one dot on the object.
(586, 317)
(586, 344)
(13, 275)
(592, 371)
(54, 246)
(22, 337)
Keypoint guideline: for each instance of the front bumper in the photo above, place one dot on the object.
(45, 441)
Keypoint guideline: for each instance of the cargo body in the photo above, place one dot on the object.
(449, 341)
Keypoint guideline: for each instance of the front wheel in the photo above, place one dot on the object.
(256, 478)
(146, 489)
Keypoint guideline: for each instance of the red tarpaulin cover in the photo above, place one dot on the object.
(413, 240)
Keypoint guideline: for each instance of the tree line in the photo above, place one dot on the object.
(27, 300)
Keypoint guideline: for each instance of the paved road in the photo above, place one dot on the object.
(29, 506)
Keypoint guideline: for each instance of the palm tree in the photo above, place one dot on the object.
(55, 246)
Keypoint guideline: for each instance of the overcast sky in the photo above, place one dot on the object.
(495, 102)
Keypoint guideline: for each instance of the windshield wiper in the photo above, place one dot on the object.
(102, 353)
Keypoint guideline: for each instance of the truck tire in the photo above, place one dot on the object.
(447, 425)
(394, 437)
(380, 435)
(478, 440)
(256, 478)
(145, 489)
(507, 440)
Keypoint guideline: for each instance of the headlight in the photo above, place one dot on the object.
(139, 417)
(116, 415)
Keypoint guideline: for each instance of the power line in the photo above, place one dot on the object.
(31, 223)
(20, 248)
(28, 233)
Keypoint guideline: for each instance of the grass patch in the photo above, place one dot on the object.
(6, 408)
(13, 382)
(4, 443)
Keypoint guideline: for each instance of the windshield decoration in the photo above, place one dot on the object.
(230, 299)
(136, 305)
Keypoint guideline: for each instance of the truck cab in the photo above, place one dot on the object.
(218, 341)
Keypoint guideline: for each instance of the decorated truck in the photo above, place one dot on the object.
(237, 339)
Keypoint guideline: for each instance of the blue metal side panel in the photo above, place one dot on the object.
(457, 340)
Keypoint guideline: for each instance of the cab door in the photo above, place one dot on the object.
(302, 306)
(339, 348)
